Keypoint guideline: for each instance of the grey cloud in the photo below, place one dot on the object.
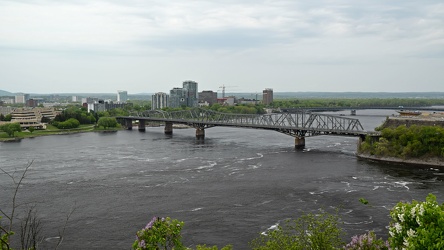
(227, 39)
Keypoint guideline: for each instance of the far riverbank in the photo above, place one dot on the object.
(37, 133)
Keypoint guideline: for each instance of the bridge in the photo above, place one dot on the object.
(297, 124)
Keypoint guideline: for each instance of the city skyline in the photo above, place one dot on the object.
(146, 47)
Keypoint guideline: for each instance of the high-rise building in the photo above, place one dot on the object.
(178, 97)
(192, 94)
(75, 98)
(21, 98)
(159, 100)
(267, 96)
(122, 96)
(208, 96)
(186, 96)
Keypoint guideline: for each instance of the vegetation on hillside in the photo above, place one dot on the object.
(406, 142)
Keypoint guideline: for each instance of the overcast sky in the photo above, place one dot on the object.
(67, 46)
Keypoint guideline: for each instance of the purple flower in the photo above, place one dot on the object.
(151, 223)
(142, 244)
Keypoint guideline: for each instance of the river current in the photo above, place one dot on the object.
(227, 189)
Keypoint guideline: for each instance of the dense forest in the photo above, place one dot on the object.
(407, 142)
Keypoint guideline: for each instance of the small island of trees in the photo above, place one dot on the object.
(418, 142)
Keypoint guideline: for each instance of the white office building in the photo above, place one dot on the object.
(159, 100)
(122, 96)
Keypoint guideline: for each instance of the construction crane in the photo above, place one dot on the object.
(223, 89)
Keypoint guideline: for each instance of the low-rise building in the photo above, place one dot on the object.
(208, 96)
(32, 117)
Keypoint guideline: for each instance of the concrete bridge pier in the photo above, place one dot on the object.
(200, 133)
(168, 128)
(129, 124)
(299, 142)
(142, 126)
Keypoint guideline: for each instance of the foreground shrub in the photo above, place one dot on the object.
(417, 225)
(367, 242)
(160, 233)
(310, 231)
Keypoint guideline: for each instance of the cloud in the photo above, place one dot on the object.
(242, 40)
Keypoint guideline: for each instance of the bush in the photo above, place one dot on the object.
(367, 242)
(310, 231)
(160, 233)
(417, 225)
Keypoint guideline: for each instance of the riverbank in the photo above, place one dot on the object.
(38, 133)
(432, 162)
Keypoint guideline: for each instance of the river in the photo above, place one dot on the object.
(227, 189)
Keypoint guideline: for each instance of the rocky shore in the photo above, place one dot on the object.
(435, 162)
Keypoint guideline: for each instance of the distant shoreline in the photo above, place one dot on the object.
(18, 139)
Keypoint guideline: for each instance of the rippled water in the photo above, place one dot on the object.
(227, 189)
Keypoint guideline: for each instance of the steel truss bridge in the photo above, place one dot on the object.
(298, 124)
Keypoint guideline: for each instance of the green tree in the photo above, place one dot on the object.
(68, 124)
(7, 118)
(31, 129)
(11, 128)
(107, 122)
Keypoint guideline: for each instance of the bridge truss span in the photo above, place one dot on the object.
(294, 124)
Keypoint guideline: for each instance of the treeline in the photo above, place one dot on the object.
(407, 142)
(357, 102)
(72, 117)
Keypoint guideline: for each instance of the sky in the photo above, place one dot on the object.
(83, 46)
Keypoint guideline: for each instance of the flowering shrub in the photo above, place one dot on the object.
(417, 225)
(160, 233)
(367, 242)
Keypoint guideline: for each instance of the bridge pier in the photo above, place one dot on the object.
(142, 126)
(168, 128)
(129, 124)
(200, 133)
(299, 142)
